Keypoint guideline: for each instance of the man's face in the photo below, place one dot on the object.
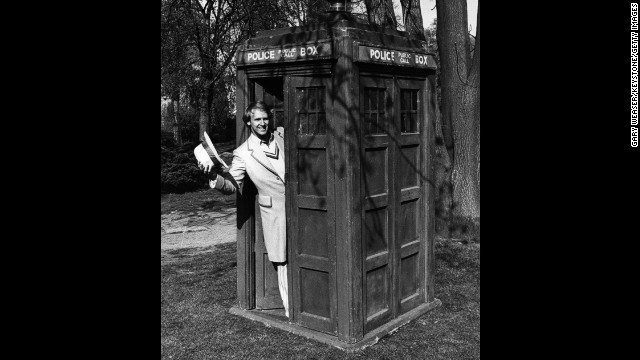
(259, 122)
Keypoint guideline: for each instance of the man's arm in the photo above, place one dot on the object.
(237, 172)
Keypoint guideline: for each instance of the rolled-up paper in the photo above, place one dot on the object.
(202, 155)
(211, 150)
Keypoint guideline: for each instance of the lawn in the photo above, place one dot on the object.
(195, 201)
(199, 287)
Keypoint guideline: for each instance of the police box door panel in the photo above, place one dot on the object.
(392, 179)
(378, 167)
(270, 91)
(311, 203)
(410, 197)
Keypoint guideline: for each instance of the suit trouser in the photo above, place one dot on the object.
(282, 285)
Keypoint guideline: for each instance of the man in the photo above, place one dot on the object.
(261, 157)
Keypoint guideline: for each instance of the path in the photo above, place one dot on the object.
(202, 229)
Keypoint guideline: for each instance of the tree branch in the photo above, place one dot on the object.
(455, 46)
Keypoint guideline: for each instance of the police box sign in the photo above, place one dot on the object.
(395, 57)
(286, 53)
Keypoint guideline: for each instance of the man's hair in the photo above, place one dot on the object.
(257, 105)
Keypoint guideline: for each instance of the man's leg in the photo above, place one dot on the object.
(282, 284)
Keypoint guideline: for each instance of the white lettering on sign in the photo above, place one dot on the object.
(308, 51)
(404, 57)
(391, 56)
(384, 55)
(261, 55)
(288, 53)
(421, 59)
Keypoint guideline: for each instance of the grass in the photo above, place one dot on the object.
(205, 199)
(198, 288)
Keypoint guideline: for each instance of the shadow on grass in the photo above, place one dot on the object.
(199, 288)
(207, 199)
(217, 205)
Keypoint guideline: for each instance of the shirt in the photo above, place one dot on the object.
(274, 154)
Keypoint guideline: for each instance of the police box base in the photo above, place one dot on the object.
(278, 320)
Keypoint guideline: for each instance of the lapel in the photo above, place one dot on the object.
(280, 143)
(253, 145)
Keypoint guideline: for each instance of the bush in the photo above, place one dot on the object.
(166, 139)
(179, 170)
(465, 229)
(189, 127)
(225, 130)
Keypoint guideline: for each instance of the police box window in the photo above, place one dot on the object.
(374, 110)
(311, 110)
(409, 111)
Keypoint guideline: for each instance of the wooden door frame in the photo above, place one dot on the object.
(402, 251)
(385, 140)
(291, 143)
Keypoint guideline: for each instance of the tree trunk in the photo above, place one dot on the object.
(412, 16)
(380, 12)
(460, 82)
(175, 105)
(167, 115)
(204, 114)
(314, 10)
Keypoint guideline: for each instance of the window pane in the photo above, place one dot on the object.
(374, 110)
(313, 123)
(367, 99)
(414, 100)
(322, 123)
(313, 99)
(414, 122)
(310, 103)
(409, 111)
(302, 124)
(406, 100)
(300, 97)
(321, 98)
(367, 123)
(375, 119)
(374, 99)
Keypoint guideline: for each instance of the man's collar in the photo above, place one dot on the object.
(260, 141)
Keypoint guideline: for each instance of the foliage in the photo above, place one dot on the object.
(462, 229)
(412, 17)
(199, 40)
(432, 47)
(380, 12)
(286, 13)
(189, 126)
(166, 139)
(178, 167)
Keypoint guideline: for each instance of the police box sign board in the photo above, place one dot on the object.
(285, 53)
(395, 57)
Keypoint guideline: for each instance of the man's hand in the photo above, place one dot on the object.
(206, 167)
(205, 163)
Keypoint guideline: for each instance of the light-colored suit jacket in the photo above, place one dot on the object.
(249, 159)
